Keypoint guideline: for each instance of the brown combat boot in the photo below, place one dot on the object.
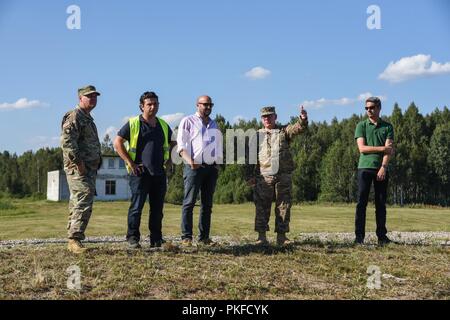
(262, 239)
(75, 246)
(282, 240)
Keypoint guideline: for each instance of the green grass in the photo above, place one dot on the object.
(43, 219)
(6, 205)
(303, 271)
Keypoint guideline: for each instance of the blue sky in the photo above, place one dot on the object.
(319, 53)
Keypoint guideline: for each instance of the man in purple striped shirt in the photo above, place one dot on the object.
(200, 145)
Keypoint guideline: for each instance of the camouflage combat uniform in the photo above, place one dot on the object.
(80, 142)
(274, 176)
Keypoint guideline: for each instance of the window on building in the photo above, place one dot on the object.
(110, 163)
(110, 187)
(121, 164)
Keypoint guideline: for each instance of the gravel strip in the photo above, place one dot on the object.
(407, 238)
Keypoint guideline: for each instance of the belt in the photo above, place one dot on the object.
(208, 165)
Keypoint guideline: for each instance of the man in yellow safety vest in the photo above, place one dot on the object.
(145, 155)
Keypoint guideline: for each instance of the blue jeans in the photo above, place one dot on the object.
(365, 178)
(204, 180)
(141, 186)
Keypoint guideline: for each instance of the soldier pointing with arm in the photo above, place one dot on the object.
(82, 157)
(274, 176)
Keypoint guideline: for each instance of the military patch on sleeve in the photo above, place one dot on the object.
(68, 122)
(67, 126)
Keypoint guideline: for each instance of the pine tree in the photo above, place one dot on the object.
(107, 146)
(439, 160)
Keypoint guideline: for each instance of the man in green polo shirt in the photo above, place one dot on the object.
(375, 139)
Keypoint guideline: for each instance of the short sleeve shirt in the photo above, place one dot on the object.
(150, 145)
(374, 136)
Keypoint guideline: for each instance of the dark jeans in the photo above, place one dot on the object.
(365, 179)
(204, 180)
(141, 186)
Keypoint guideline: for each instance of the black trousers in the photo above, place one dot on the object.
(155, 188)
(365, 179)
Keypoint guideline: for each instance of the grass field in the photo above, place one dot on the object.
(43, 219)
(237, 269)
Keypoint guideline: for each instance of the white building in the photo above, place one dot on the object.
(111, 184)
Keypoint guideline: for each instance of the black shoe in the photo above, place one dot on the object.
(133, 244)
(358, 241)
(384, 241)
(156, 244)
(207, 242)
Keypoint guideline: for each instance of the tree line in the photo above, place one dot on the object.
(326, 159)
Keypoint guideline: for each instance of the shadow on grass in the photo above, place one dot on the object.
(273, 249)
(245, 249)
(242, 249)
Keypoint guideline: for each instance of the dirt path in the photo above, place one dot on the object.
(404, 238)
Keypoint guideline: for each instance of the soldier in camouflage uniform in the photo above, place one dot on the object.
(82, 157)
(273, 179)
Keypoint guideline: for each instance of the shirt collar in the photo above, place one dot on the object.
(84, 113)
(198, 116)
(379, 122)
(141, 119)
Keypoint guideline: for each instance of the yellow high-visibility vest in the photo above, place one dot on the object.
(135, 126)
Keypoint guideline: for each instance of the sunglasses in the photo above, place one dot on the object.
(206, 104)
(370, 108)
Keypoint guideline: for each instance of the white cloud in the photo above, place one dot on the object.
(413, 67)
(323, 102)
(126, 118)
(39, 142)
(173, 119)
(22, 103)
(111, 131)
(257, 73)
(365, 95)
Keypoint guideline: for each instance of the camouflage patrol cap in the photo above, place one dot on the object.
(84, 91)
(267, 111)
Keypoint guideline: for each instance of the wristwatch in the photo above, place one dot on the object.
(384, 166)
